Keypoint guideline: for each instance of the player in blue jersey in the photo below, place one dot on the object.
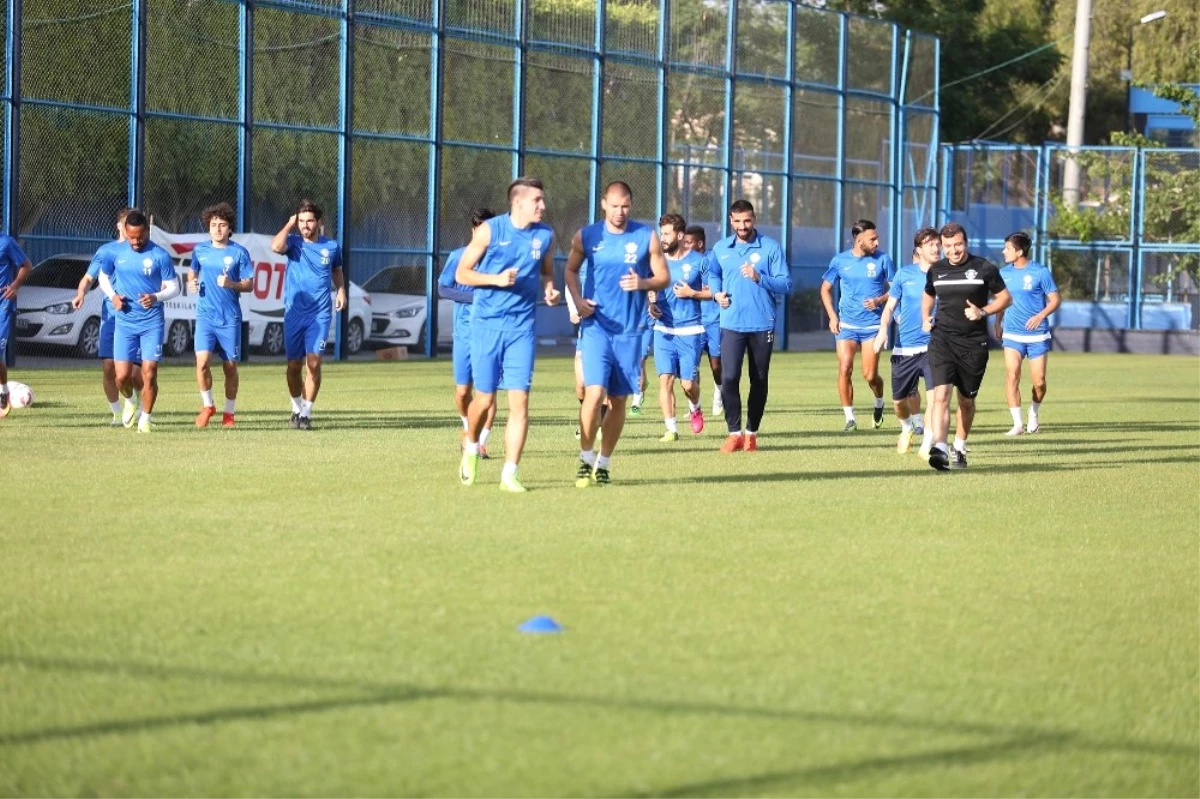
(748, 277)
(221, 270)
(462, 296)
(678, 333)
(14, 269)
(864, 275)
(510, 264)
(1025, 328)
(138, 276)
(108, 324)
(710, 316)
(624, 261)
(646, 343)
(910, 358)
(313, 263)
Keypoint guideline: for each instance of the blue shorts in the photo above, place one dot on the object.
(906, 371)
(108, 328)
(857, 334)
(647, 343)
(135, 343)
(228, 338)
(678, 355)
(612, 361)
(502, 358)
(712, 339)
(460, 354)
(1028, 349)
(305, 335)
(7, 316)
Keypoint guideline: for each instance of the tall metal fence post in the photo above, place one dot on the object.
(839, 194)
(1137, 208)
(789, 123)
(345, 167)
(137, 104)
(899, 86)
(12, 118)
(245, 110)
(731, 32)
(433, 212)
(663, 49)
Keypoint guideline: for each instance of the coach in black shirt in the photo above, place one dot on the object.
(959, 285)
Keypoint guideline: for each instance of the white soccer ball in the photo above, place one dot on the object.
(19, 394)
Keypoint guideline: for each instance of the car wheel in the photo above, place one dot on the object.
(273, 339)
(419, 347)
(89, 339)
(178, 339)
(354, 336)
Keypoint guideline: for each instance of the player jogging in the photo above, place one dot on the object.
(104, 344)
(910, 358)
(1024, 328)
(138, 276)
(14, 269)
(747, 275)
(710, 316)
(510, 263)
(221, 270)
(462, 296)
(864, 274)
(624, 260)
(678, 333)
(313, 261)
(959, 286)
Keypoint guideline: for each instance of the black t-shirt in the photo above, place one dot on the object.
(976, 279)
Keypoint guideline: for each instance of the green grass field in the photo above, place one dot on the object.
(267, 612)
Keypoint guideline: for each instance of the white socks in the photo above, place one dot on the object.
(1016, 416)
(483, 436)
(229, 406)
(849, 411)
(960, 445)
(672, 425)
(206, 398)
(878, 403)
(602, 462)
(116, 407)
(471, 448)
(588, 456)
(917, 420)
(465, 422)
(296, 404)
(305, 408)
(509, 470)
(693, 406)
(637, 398)
(906, 426)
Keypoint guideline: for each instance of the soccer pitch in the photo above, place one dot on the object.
(262, 611)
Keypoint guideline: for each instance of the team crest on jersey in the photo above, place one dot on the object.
(687, 269)
(1027, 283)
(755, 258)
(870, 269)
(147, 266)
(228, 260)
(631, 247)
(971, 273)
(324, 257)
(536, 251)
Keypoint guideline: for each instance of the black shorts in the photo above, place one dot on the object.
(959, 362)
(906, 371)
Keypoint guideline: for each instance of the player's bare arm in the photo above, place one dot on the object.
(583, 307)
(466, 273)
(881, 338)
(339, 283)
(827, 301)
(551, 294)
(1053, 300)
(279, 243)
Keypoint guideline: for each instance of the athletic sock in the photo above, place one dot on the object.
(637, 398)
(306, 408)
(751, 433)
(229, 406)
(1016, 415)
(296, 404)
(906, 426)
(464, 421)
(878, 403)
(602, 461)
(693, 406)
(672, 424)
(207, 399)
(849, 411)
(942, 447)
(149, 417)
(588, 456)
(927, 439)
(960, 445)
(1034, 407)
(484, 435)
(509, 470)
(470, 448)
(116, 407)
(917, 421)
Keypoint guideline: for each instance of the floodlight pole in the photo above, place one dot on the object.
(1078, 102)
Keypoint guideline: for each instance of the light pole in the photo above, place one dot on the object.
(1153, 17)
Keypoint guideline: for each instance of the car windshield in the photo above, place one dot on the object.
(57, 273)
(397, 280)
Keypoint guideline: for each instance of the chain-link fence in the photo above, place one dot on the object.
(401, 117)
(1118, 226)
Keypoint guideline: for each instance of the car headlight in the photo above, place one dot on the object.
(407, 313)
(59, 308)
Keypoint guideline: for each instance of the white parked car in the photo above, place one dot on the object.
(398, 308)
(44, 312)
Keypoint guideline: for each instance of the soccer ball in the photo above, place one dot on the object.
(19, 394)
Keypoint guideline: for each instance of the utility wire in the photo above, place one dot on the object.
(1009, 62)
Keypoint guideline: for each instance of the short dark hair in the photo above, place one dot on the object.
(309, 207)
(135, 218)
(222, 211)
(923, 235)
(952, 229)
(861, 226)
(1021, 241)
(622, 185)
(696, 232)
(522, 183)
(481, 215)
(674, 220)
(741, 207)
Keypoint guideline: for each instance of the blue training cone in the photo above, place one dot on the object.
(541, 624)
